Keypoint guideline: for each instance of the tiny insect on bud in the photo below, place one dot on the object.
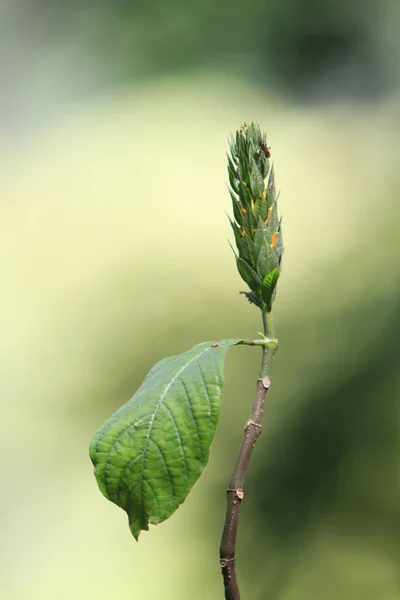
(265, 148)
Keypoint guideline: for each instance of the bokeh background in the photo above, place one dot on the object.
(113, 118)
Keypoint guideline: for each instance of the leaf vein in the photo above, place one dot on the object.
(170, 478)
(205, 387)
(166, 390)
(178, 435)
(192, 411)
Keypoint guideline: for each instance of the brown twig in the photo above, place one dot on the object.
(234, 493)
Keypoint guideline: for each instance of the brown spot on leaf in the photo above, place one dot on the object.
(274, 238)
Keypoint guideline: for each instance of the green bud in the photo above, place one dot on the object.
(256, 225)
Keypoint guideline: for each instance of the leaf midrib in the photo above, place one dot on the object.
(152, 420)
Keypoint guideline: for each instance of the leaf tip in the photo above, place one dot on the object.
(137, 528)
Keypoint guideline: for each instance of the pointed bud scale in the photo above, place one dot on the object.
(259, 245)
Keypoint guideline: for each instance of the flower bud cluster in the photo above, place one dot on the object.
(256, 224)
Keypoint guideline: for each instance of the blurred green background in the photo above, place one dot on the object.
(114, 253)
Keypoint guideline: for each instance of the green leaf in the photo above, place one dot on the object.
(244, 195)
(232, 180)
(256, 180)
(267, 260)
(249, 224)
(260, 209)
(260, 237)
(268, 287)
(273, 221)
(237, 212)
(252, 298)
(230, 164)
(248, 274)
(149, 454)
(263, 166)
(243, 167)
(248, 250)
(238, 235)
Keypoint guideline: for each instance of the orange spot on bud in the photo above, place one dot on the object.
(242, 232)
(214, 345)
(274, 238)
(268, 215)
(244, 211)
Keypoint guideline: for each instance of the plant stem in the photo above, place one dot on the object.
(234, 492)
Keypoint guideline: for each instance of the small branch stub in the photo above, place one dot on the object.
(266, 382)
(251, 423)
(224, 562)
(237, 491)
